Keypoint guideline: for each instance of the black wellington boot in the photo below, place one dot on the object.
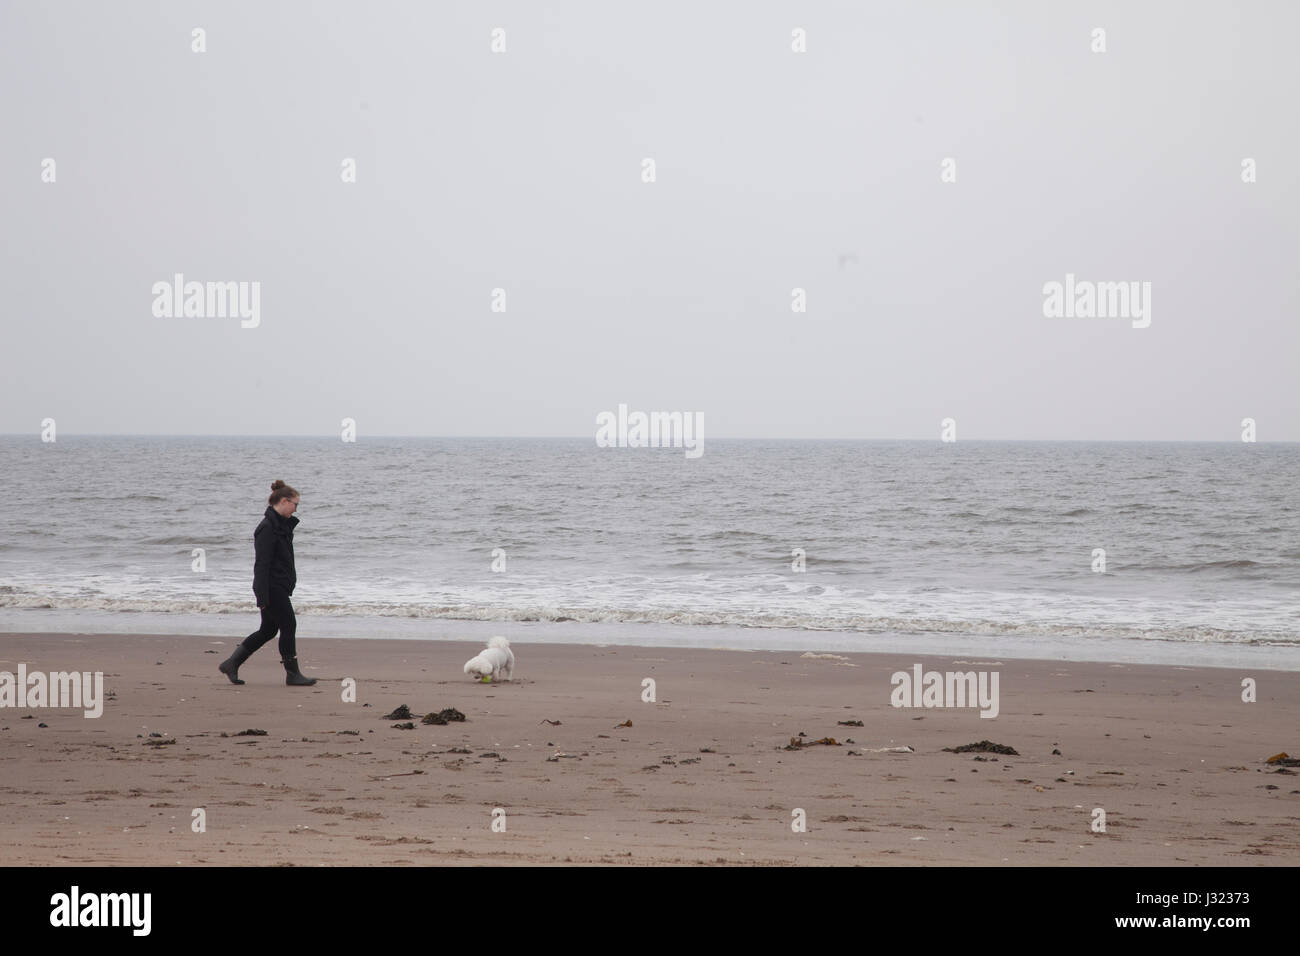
(230, 666)
(293, 677)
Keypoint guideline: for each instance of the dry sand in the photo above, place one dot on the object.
(1173, 755)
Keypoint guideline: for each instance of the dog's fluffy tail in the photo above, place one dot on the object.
(500, 642)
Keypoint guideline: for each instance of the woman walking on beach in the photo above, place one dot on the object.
(274, 578)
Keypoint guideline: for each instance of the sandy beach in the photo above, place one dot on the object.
(1172, 755)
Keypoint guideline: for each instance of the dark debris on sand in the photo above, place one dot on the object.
(797, 743)
(444, 716)
(983, 747)
(1283, 760)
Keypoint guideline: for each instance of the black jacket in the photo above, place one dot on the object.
(273, 544)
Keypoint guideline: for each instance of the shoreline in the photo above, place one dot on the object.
(1171, 753)
(1268, 656)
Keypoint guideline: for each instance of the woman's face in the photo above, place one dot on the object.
(286, 506)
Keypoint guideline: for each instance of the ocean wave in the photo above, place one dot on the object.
(1237, 564)
(848, 622)
(1225, 565)
(179, 540)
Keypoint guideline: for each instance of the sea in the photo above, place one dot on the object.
(1142, 552)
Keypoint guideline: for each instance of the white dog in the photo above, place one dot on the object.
(496, 661)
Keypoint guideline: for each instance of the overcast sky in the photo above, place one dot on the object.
(775, 170)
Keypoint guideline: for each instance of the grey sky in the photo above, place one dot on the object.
(775, 170)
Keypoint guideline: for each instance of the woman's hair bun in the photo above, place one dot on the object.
(279, 491)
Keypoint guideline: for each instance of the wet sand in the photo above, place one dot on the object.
(1173, 756)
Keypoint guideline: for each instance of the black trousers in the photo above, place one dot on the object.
(276, 616)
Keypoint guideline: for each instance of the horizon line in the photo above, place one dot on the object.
(335, 436)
